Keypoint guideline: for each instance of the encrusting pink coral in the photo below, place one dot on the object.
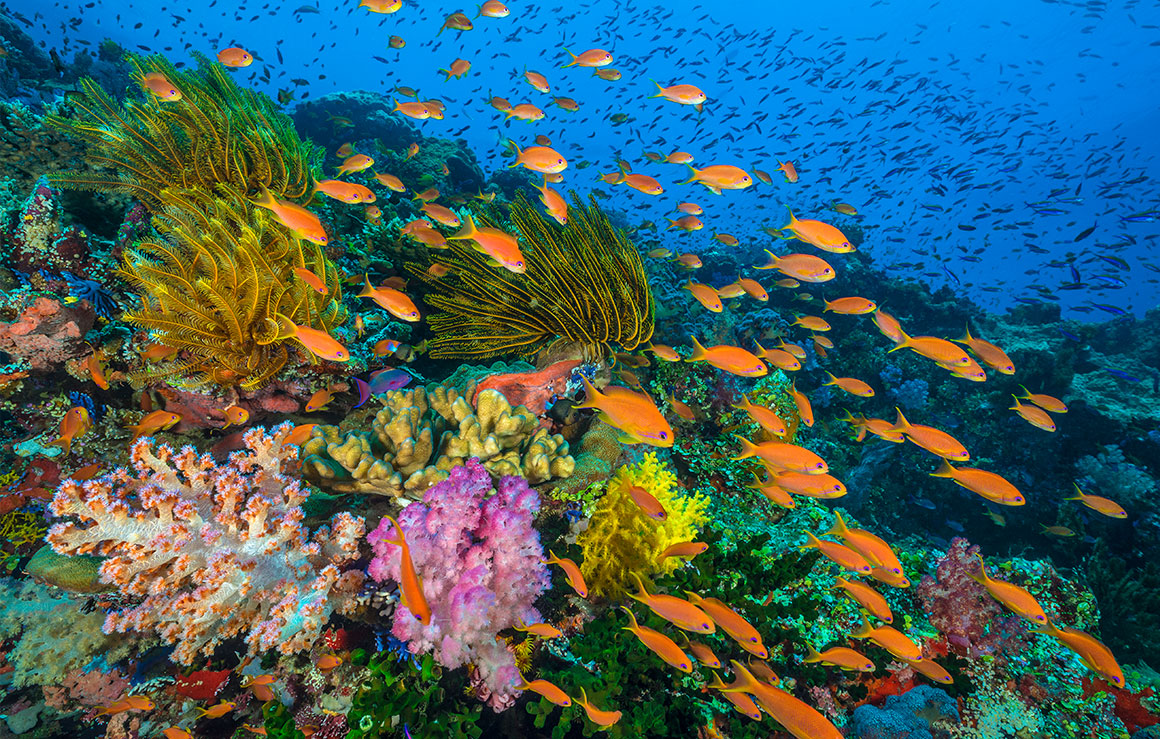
(481, 564)
(212, 551)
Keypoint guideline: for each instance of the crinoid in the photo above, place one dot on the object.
(217, 133)
(585, 285)
(213, 285)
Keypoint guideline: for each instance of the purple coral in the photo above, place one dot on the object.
(482, 568)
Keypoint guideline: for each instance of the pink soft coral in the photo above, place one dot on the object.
(481, 564)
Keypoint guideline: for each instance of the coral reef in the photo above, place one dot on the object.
(421, 434)
(914, 714)
(584, 287)
(622, 541)
(480, 564)
(44, 331)
(35, 238)
(212, 551)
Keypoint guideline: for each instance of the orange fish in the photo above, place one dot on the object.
(235, 416)
(571, 573)
(348, 192)
(932, 347)
(718, 177)
(320, 343)
(1046, 402)
(932, 670)
(686, 549)
(931, 439)
(822, 235)
(872, 547)
(381, 6)
(75, 424)
(683, 94)
(410, 584)
(442, 214)
(319, 400)
(88, 472)
(153, 352)
(1014, 597)
(682, 410)
(546, 689)
(991, 486)
(781, 455)
(732, 623)
(992, 356)
(679, 157)
(867, 597)
(726, 239)
(412, 150)
(789, 170)
(742, 703)
(128, 703)
(235, 57)
(160, 87)
(731, 359)
(1033, 415)
(812, 323)
(176, 732)
(686, 223)
(635, 414)
(890, 639)
(703, 653)
(851, 306)
(499, 245)
(1092, 652)
(851, 385)
(840, 555)
(590, 58)
(540, 159)
(412, 109)
(640, 182)
(458, 68)
(311, 279)
(690, 208)
(661, 645)
(554, 204)
(841, 657)
(608, 75)
(524, 112)
(396, 42)
(647, 503)
(753, 288)
(680, 613)
(805, 410)
(355, 163)
(298, 435)
(390, 182)
(804, 267)
(763, 417)
(298, 220)
(544, 631)
(493, 9)
(778, 358)
(595, 715)
(691, 261)
(538, 81)
(772, 491)
(1099, 504)
(221, 709)
(567, 104)
(823, 486)
(457, 22)
(154, 422)
(328, 662)
(393, 301)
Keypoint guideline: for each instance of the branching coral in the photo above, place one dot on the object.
(419, 436)
(481, 566)
(212, 551)
(214, 286)
(216, 134)
(584, 285)
(622, 541)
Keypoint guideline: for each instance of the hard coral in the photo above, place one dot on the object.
(419, 436)
(212, 551)
(480, 562)
(622, 541)
(37, 239)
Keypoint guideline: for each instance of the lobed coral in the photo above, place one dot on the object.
(584, 290)
(479, 560)
(621, 540)
(211, 551)
(419, 436)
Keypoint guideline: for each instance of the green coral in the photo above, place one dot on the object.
(621, 541)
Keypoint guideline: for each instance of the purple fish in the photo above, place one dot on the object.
(389, 379)
(364, 391)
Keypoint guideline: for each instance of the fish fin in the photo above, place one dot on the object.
(693, 175)
(627, 438)
(265, 199)
(469, 231)
(981, 578)
(901, 425)
(812, 654)
(590, 393)
(632, 616)
(368, 290)
(967, 338)
(748, 448)
(902, 343)
(944, 469)
(792, 220)
(761, 352)
(699, 352)
(839, 528)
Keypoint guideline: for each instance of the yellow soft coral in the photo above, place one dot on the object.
(622, 541)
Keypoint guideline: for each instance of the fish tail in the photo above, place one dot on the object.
(1026, 394)
(515, 146)
(699, 352)
(398, 530)
(632, 616)
(944, 470)
(574, 58)
(692, 172)
(1017, 405)
(368, 290)
(761, 353)
(839, 528)
(748, 448)
(812, 654)
(812, 542)
(863, 630)
(590, 394)
(640, 586)
(286, 326)
(982, 576)
(469, 231)
(265, 199)
(967, 338)
(902, 342)
(716, 683)
(660, 91)
(745, 398)
(1079, 494)
(552, 558)
(901, 424)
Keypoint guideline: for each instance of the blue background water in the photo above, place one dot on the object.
(926, 117)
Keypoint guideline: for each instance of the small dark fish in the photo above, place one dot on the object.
(966, 227)
(307, 9)
(1070, 336)
(1110, 309)
(1084, 234)
(1122, 375)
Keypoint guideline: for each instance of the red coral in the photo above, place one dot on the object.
(1129, 707)
(202, 685)
(530, 389)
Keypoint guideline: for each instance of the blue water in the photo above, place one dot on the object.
(926, 117)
